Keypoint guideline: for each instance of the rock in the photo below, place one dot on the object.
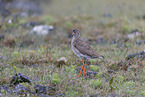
(140, 42)
(113, 42)
(100, 40)
(113, 95)
(108, 15)
(91, 74)
(95, 95)
(132, 35)
(21, 90)
(142, 52)
(140, 55)
(62, 59)
(133, 55)
(40, 89)
(5, 88)
(32, 24)
(41, 30)
(20, 78)
(135, 31)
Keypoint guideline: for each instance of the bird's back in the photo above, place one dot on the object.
(85, 49)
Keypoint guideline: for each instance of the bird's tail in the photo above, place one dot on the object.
(101, 57)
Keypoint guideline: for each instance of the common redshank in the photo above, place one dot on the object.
(83, 50)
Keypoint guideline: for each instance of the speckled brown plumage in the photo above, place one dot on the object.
(85, 49)
(82, 49)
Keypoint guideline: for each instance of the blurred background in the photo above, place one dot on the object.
(100, 20)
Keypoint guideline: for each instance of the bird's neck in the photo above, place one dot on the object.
(74, 38)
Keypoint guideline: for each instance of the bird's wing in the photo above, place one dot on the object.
(85, 48)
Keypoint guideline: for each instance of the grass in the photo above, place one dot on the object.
(38, 60)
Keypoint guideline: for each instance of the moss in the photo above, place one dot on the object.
(15, 54)
(94, 67)
(15, 68)
(131, 92)
(55, 78)
(119, 78)
(129, 84)
(95, 82)
(98, 74)
(143, 93)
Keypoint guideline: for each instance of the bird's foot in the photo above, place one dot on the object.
(79, 75)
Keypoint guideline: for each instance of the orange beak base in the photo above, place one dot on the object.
(73, 33)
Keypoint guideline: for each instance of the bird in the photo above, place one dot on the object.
(82, 49)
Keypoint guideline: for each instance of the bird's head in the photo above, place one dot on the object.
(76, 33)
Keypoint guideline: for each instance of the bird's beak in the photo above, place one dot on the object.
(73, 33)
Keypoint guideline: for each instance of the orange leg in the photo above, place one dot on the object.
(82, 68)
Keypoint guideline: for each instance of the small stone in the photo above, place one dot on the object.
(40, 89)
(142, 52)
(41, 30)
(132, 35)
(140, 42)
(133, 55)
(91, 74)
(21, 90)
(134, 31)
(113, 42)
(20, 78)
(5, 88)
(100, 40)
(108, 15)
(61, 61)
(140, 55)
